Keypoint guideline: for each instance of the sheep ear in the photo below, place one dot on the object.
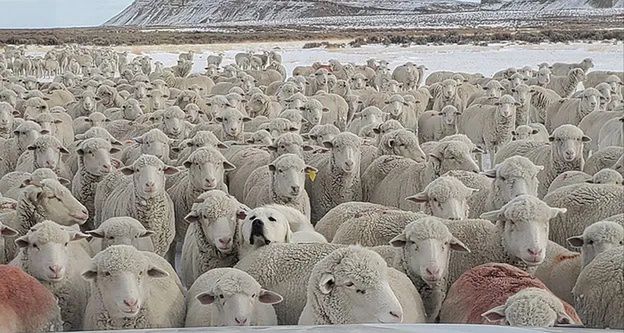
(457, 245)
(246, 119)
(63, 150)
(191, 217)
(269, 297)
(556, 211)
(489, 173)
(495, 314)
(63, 181)
(127, 170)
(205, 298)
(390, 143)
(272, 147)
(75, 235)
(169, 170)
(576, 241)
(156, 272)
(399, 240)
(493, 216)
(551, 138)
(97, 233)
(187, 164)
(563, 319)
(90, 274)
(7, 232)
(222, 145)
(328, 144)
(586, 139)
(22, 241)
(326, 283)
(419, 197)
(227, 166)
(146, 233)
(307, 148)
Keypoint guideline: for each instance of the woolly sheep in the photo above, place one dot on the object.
(27, 306)
(368, 116)
(435, 125)
(198, 140)
(401, 142)
(24, 135)
(143, 197)
(612, 133)
(132, 289)
(606, 176)
(560, 68)
(229, 297)
(205, 171)
(598, 293)
(7, 120)
(83, 124)
(489, 127)
(565, 85)
(568, 178)
(397, 108)
(573, 110)
(50, 253)
(231, 128)
(445, 197)
(154, 142)
(422, 253)
(45, 152)
(121, 231)
(211, 239)
(405, 177)
(5, 233)
(505, 295)
(350, 286)
(532, 132)
(321, 133)
(564, 153)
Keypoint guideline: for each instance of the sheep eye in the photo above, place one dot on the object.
(349, 284)
(361, 291)
(503, 178)
(35, 246)
(591, 242)
(253, 296)
(66, 244)
(107, 274)
(221, 296)
(140, 273)
(272, 219)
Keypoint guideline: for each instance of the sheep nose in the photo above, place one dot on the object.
(56, 269)
(433, 271)
(349, 163)
(225, 241)
(150, 184)
(534, 252)
(240, 321)
(131, 302)
(107, 167)
(295, 189)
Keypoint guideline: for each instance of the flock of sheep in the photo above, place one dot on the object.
(343, 193)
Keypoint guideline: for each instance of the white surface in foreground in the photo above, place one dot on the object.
(466, 58)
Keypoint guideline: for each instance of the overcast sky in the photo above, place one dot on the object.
(58, 13)
(61, 13)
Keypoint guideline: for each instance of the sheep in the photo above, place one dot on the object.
(445, 197)
(5, 232)
(205, 169)
(542, 99)
(593, 122)
(573, 110)
(612, 133)
(351, 286)
(434, 125)
(422, 252)
(401, 142)
(130, 110)
(142, 197)
(586, 203)
(519, 237)
(321, 133)
(24, 135)
(447, 96)
(565, 85)
(286, 185)
(44, 152)
(337, 109)
(569, 178)
(532, 132)
(230, 297)
(606, 176)
(231, 128)
(522, 94)
(564, 153)
(154, 142)
(52, 254)
(403, 177)
(198, 140)
(559, 68)
(260, 137)
(368, 116)
(94, 160)
(211, 239)
(598, 291)
(7, 120)
(397, 108)
(26, 305)
(17, 181)
(279, 126)
(132, 289)
(121, 231)
(338, 177)
(489, 127)
(503, 294)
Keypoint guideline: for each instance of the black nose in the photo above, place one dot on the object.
(257, 230)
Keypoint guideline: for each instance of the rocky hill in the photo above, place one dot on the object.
(551, 5)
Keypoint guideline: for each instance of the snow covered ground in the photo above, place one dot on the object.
(469, 58)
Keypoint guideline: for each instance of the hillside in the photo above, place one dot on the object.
(551, 5)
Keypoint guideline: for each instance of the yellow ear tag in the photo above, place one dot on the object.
(312, 175)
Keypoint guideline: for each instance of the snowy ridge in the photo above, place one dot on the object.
(551, 5)
(201, 12)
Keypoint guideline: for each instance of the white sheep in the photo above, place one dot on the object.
(141, 196)
(532, 132)
(44, 152)
(435, 125)
(607, 176)
(612, 133)
(603, 158)
(5, 232)
(573, 110)
(132, 289)
(211, 239)
(121, 231)
(23, 136)
(229, 297)
(565, 85)
(51, 254)
(445, 197)
(560, 68)
(154, 142)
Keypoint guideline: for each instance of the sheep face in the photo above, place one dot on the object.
(346, 152)
(525, 224)
(26, 134)
(279, 126)
(350, 286)
(452, 155)
(96, 156)
(173, 121)
(263, 226)
(261, 137)
(405, 143)
(426, 245)
(55, 202)
(590, 101)
(157, 100)
(8, 96)
(207, 173)
(6, 117)
(523, 132)
(45, 248)
(371, 115)
(598, 238)
(445, 197)
(395, 106)
(506, 107)
(358, 82)
(449, 115)
(288, 172)
(152, 145)
(295, 102)
(123, 231)
(543, 76)
(567, 142)
(219, 228)
(237, 309)
(258, 103)
(531, 307)
(448, 89)
(516, 176)
(121, 274)
(232, 121)
(107, 95)
(148, 176)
